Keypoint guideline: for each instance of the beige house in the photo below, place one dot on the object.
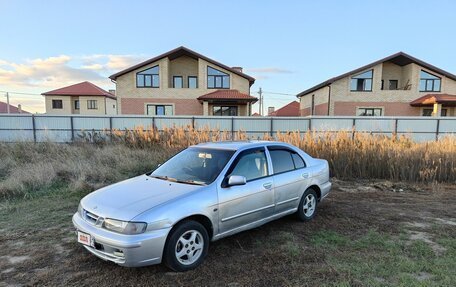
(83, 98)
(398, 85)
(183, 82)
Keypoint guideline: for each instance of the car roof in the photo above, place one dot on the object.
(236, 145)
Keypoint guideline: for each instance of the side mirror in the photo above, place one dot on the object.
(236, 180)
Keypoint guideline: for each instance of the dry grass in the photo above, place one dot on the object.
(26, 168)
(360, 156)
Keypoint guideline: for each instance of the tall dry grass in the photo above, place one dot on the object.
(27, 168)
(351, 156)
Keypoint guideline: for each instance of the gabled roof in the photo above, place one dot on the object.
(227, 95)
(13, 109)
(431, 99)
(289, 110)
(80, 89)
(399, 58)
(178, 52)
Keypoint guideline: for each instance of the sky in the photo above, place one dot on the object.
(288, 46)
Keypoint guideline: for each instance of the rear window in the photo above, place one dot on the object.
(281, 161)
(298, 161)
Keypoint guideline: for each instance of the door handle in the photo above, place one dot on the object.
(267, 185)
(305, 175)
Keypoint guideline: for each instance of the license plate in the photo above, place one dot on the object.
(84, 238)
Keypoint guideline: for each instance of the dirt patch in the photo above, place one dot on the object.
(446, 221)
(16, 259)
(276, 254)
(426, 237)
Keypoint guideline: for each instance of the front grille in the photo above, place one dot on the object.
(90, 217)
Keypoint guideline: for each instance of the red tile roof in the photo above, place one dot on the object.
(180, 51)
(400, 59)
(81, 89)
(256, 114)
(289, 110)
(13, 109)
(227, 95)
(431, 99)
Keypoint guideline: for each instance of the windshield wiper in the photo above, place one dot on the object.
(172, 179)
(164, 177)
(194, 182)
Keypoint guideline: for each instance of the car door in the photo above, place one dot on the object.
(243, 204)
(290, 177)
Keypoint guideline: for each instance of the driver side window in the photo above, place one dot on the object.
(251, 163)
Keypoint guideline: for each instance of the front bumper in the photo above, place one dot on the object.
(125, 250)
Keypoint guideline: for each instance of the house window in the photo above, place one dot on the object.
(148, 78)
(192, 82)
(429, 82)
(393, 84)
(177, 82)
(427, 112)
(57, 104)
(370, 112)
(225, 111)
(362, 82)
(159, 110)
(76, 104)
(92, 104)
(217, 79)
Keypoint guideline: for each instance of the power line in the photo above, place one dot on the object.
(20, 93)
(275, 93)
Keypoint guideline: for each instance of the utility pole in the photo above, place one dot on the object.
(260, 92)
(7, 103)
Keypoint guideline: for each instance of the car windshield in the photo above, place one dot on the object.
(194, 166)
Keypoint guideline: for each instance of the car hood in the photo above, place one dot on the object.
(129, 198)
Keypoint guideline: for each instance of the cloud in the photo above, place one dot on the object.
(58, 71)
(270, 70)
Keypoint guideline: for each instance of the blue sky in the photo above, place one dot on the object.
(287, 45)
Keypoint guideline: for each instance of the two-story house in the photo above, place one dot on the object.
(183, 82)
(83, 98)
(398, 85)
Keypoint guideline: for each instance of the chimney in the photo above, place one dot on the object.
(270, 110)
(19, 108)
(112, 92)
(239, 69)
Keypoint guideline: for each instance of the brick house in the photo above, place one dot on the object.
(12, 109)
(183, 82)
(398, 85)
(83, 98)
(289, 110)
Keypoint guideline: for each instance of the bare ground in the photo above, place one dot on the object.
(365, 234)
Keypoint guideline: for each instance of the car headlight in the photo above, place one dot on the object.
(80, 210)
(124, 227)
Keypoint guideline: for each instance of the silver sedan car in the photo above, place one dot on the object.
(202, 194)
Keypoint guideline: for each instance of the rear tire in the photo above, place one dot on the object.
(186, 246)
(308, 205)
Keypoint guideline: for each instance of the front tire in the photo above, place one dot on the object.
(308, 206)
(186, 247)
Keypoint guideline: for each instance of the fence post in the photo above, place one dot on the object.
(72, 129)
(110, 128)
(153, 123)
(309, 128)
(353, 128)
(437, 130)
(193, 122)
(395, 128)
(271, 129)
(34, 128)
